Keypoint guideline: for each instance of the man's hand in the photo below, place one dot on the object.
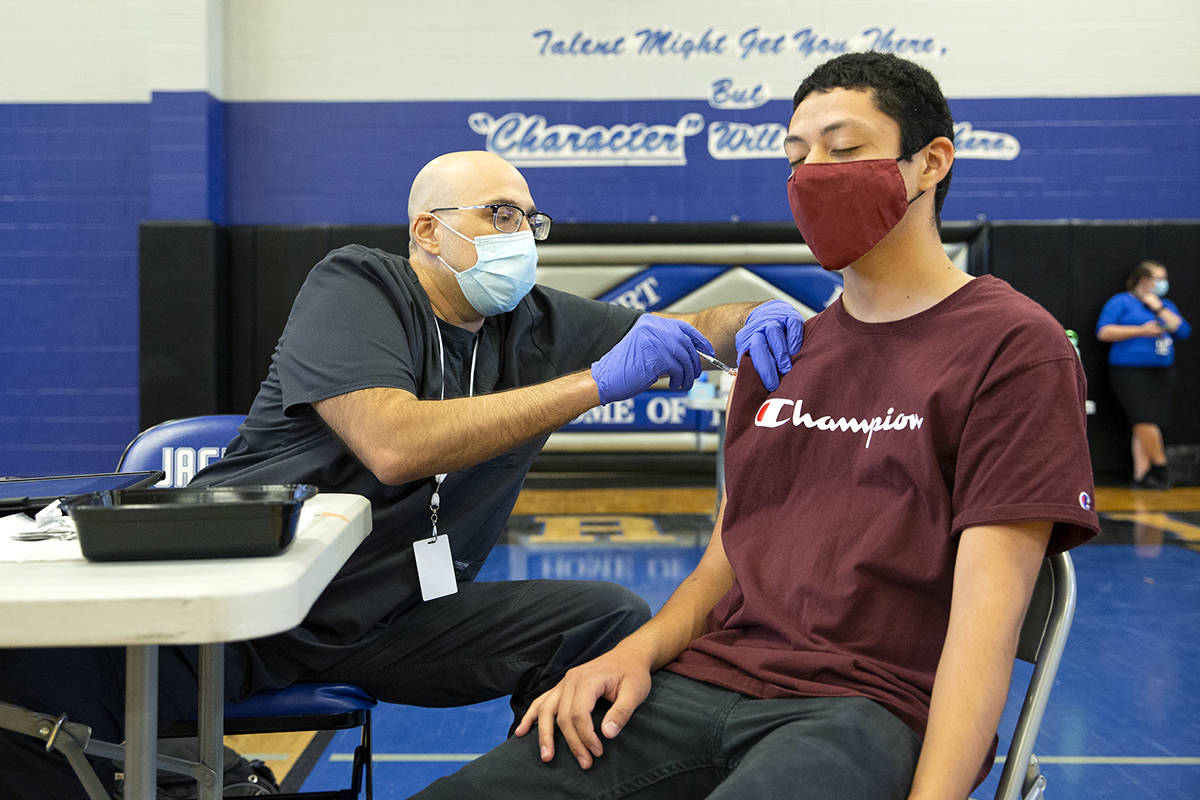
(655, 346)
(620, 675)
(772, 334)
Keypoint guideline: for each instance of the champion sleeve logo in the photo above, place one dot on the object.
(771, 414)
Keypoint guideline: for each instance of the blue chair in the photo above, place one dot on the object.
(181, 448)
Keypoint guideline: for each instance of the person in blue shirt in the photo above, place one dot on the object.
(1142, 325)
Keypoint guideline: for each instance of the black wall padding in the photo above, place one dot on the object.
(283, 257)
(1177, 246)
(1072, 268)
(1102, 254)
(247, 367)
(1032, 258)
(392, 238)
(269, 265)
(183, 331)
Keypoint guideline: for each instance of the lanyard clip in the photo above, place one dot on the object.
(435, 502)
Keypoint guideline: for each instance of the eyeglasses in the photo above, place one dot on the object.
(507, 218)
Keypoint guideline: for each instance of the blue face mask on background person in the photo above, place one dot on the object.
(504, 271)
(1161, 285)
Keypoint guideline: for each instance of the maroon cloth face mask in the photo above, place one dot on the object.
(845, 209)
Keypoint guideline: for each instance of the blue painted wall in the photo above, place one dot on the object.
(1094, 158)
(76, 179)
(73, 185)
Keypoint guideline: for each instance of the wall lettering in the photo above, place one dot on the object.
(734, 140)
(991, 145)
(724, 93)
(528, 140)
(751, 42)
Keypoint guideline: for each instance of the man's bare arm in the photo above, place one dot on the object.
(400, 438)
(994, 574)
(719, 324)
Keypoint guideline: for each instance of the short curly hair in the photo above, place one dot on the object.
(906, 92)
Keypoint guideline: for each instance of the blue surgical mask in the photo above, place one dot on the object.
(504, 271)
(1161, 285)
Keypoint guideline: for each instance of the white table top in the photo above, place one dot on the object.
(195, 601)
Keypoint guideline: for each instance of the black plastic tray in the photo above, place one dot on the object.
(216, 522)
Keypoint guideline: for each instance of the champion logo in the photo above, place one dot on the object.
(771, 414)
(1085, 501)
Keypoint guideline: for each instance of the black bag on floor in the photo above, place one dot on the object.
(243, 777)
(1183, 462)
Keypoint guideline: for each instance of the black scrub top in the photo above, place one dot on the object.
(362, 320)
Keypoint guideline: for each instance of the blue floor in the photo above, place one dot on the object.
(1123, 721)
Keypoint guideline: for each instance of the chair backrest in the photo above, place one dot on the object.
(1043, 639)
(180, 447)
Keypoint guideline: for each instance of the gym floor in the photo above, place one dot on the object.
(1123, 720)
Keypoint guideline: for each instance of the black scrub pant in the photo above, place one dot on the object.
(486, 641)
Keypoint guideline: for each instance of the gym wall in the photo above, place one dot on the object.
(1071, 268)
(208, 120)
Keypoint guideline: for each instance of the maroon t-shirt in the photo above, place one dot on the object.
(849, 485)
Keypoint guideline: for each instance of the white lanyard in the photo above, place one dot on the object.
(435, 502)
(434, 560)
(442, 363)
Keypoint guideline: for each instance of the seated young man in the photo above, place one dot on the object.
(851, 628)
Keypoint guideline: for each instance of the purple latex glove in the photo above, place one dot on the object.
(654, 346)
(772, 334)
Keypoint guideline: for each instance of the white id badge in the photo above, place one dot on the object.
(435, 567)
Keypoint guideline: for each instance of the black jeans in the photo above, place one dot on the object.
(691, 740)
(486, 641)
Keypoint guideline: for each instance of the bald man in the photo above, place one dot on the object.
(431, 380)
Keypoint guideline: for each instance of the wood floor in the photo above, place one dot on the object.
(701, 500)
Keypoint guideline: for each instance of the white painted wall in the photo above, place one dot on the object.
(186, 43)
(121, 50)
(387, 50)
(62, 51)
(101, 51)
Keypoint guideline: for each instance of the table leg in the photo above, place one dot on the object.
(141, 721)
(210, 718)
